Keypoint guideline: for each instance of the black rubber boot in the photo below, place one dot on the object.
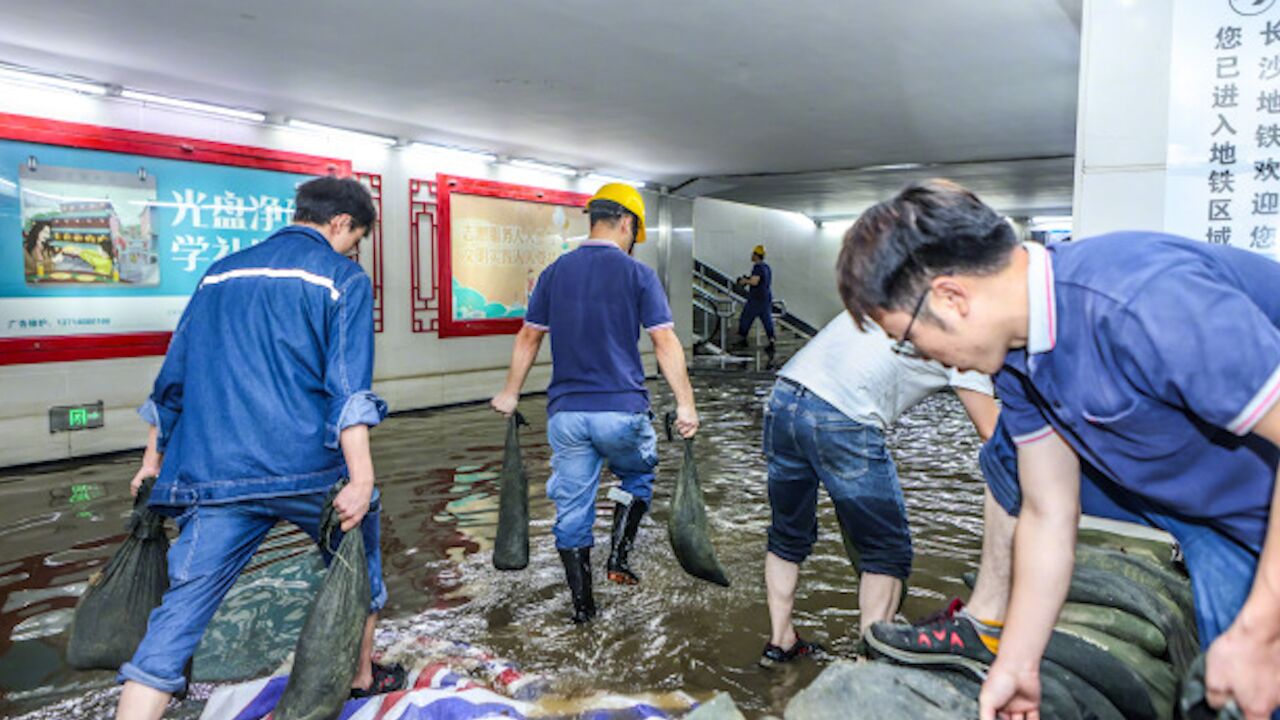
(626, 521)
(577, 573)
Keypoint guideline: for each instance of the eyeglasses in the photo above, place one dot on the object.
(905, 347)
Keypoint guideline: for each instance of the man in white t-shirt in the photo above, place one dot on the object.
(825, 423)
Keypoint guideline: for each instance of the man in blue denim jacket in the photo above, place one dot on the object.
(263, 404)
(594, 301)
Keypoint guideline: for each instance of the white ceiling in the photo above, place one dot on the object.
(664, 90)
(1019, 188)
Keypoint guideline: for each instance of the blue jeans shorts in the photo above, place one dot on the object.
(1221, 568)
(581, 443)
(807, 442)
(215, 543)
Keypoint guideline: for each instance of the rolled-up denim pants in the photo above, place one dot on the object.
(809, 442)
(215, 543)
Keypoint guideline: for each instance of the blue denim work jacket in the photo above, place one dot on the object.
(272, 359)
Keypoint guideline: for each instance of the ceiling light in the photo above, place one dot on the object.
(459, 153)
(614, 179)
(220, 110)
(62, 83)
(543, 167)
(897, 166)
(341, 132)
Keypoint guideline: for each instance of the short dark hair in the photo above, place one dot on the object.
(934, 227)
(610, 212)
(320, 200)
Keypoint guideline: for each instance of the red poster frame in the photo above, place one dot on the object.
(373, 181)
(63, 348)
(446, 186)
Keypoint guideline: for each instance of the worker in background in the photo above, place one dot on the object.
(594, 302)
(759, 284)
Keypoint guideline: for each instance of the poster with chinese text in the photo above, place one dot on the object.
(106, 242)
(499, 248)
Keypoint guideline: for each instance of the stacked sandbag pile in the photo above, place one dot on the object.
(1123, 641)
(1128, 628)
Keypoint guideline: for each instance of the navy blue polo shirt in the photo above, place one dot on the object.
(762, 292)
(1153, 357)
(593, 301)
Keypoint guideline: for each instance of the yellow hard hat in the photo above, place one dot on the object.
(626, 196)
(758, 250)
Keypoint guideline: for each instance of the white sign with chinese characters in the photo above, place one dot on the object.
(1223, 176)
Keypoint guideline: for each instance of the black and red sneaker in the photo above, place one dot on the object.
(948, 638)
(774, 655)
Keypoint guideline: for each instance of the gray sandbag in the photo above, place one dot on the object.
(1192, 704)
(1099, 587)
(1058, 700)
(1121, 685)
(111, 617)
(1091, 704)
(1141, 570)
(1159, 677)
(720, 707)
(328, 651)
(687, 523)
(882, 691)
(258, 623)
(1116, 623)
(1159, 552)
(511, 545)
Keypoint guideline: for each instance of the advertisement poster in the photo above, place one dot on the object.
(500, 246)
(494, 240)
(104, 242)
(1223, 176)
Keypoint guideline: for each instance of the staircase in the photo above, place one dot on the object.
(717, 305)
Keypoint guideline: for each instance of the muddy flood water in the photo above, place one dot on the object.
(437, 471)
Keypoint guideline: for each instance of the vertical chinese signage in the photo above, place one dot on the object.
(105, 233)
(1223, 182)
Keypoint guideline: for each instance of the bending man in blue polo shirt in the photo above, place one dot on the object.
(262, 404)
(594, 301)
(1152, 359)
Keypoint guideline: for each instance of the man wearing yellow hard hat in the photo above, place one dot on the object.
(594, 301)
(759, 284)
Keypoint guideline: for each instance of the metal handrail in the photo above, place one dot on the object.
(724, 306)
(714, 277)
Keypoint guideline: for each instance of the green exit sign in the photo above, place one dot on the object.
(76, 417)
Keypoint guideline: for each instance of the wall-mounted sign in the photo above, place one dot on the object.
(1223, 181)
(64, 418)
(495, 240)
(105, 233)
